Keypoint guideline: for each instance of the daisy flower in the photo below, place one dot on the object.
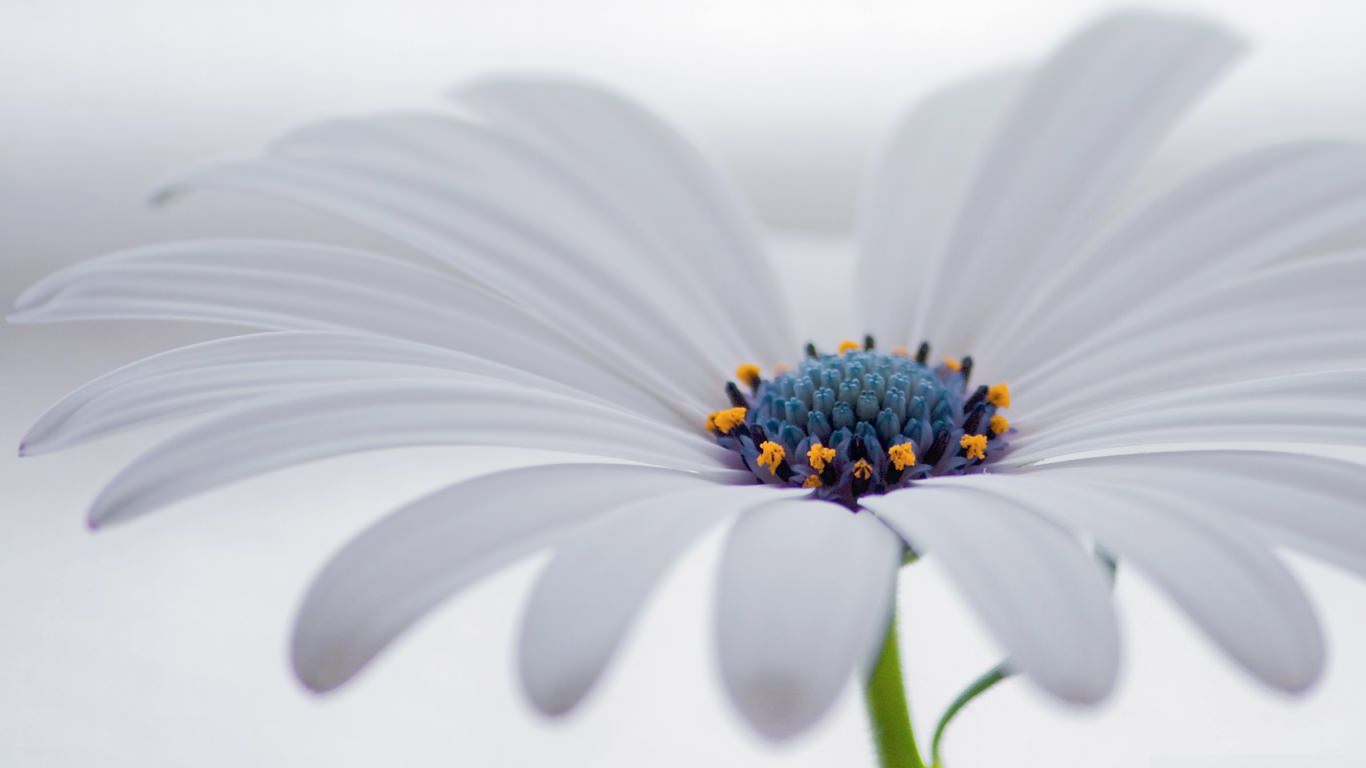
(1055, 379)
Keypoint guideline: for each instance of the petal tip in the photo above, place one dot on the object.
(553, 701)
(1083, 689)
(36, 442)
(315, 686)
(314, 677)
(554, 684)
(102, 513)
(778, 705)
(1294, 678)
(167, 194)
(316, 654)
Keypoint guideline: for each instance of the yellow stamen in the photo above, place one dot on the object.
(819, 456)
(749, 374)
(902, 456)
(862, 469)
(725, 421)
(849, 346)
(999, 424)
(953, 365)
(901, 351)
(812, 481)
(771, 455)
(976, 446)
(999, 395)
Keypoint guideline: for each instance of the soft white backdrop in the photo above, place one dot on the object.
(163, 643)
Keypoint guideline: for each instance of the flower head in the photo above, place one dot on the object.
(858, 419)
(573, 231)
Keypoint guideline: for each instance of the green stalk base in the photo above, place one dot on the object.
(888, 711)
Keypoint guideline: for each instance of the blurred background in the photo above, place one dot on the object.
(163, 643)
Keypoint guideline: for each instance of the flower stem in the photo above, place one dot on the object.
(888, 713)
(978, 687)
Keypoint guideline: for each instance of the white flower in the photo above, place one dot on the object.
(599, 283)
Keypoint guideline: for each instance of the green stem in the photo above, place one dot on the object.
(979, 686)
(885, 694)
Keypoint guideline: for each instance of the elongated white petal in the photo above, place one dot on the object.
(1042, 597)
(1261, 347)
(495, 247)
(587, 598)
(291, 429)
(805, 594)
(502, 244)
(1220, 574)
(392, 574)
(1309, 503)
(1324, 407)
(1089, 117)
(1302, 317)
(655, 179)
(226, 372)
(487, 177)
(1240, 215)
(912, 199)
(304, 286)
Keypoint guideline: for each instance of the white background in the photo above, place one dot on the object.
(162, 643)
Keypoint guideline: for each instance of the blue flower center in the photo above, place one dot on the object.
(859, 421)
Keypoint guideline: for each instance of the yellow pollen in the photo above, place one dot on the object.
(725, 421)
(999, 424)
(849, 346)
(748, 373)
(976, 446)
(902, 456)
(953, 365)
(999, 395)
(901, 351)
(862, 469)
(819, 456)
(812, 481)
(771, 455)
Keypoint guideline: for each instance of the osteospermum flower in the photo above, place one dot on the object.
(599, 290)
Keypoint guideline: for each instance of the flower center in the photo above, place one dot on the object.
(860, 421)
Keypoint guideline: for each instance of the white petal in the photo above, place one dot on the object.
(500, 245)
(589, 595)
(304, 286)
(1090, 116)
(1309, 503)
(1322, 407)
(394, 573)
(1043, 598)
(486, 177)
(227, 372)
(1303, 317)
(912, 199)
(1211, 566)
(634, 159)
(1242, 214)
(805, 593)
(291, 429)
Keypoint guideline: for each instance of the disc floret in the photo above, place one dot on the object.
(859, 421)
